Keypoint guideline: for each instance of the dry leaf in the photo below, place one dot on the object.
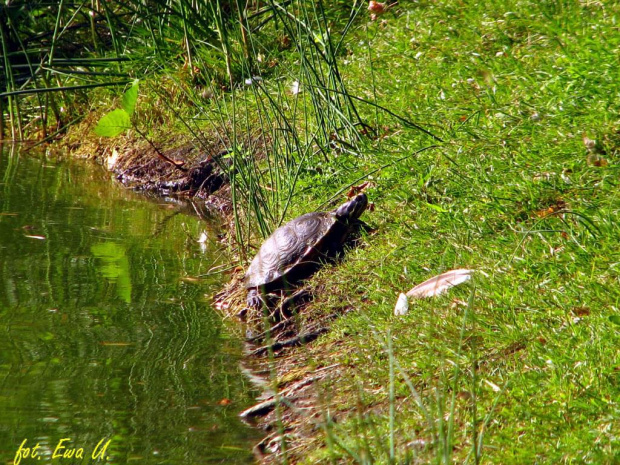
(581, 311)
(592, 145)
(545, 176)
(595, 160)
(376, 9)
(493, 386)
(354, 190)
(439, 284)
(544, 213)
(589, 143)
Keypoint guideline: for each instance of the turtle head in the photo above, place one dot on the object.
(352, 209)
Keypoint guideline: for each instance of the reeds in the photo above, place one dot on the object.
(277, 99)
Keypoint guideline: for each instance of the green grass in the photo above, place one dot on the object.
(524, 362)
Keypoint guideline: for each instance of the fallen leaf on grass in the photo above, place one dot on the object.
(295, 88)
(544, 213)
(595, 149)
(581, 311)
(615, 319)
(354, 190)
(592, 145)
(419, 443)
(440, 284)
(557, 206)
(544, 176)
(376, 9)
(595, 160)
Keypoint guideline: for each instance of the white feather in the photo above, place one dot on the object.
(440, 284)
(295, 88)
(402, 305)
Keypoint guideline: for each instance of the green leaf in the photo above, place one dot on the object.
(615, 319)
(130, 97)
(114, 123)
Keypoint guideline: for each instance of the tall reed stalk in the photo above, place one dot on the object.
(292, 129)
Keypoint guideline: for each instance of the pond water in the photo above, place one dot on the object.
(105, 335)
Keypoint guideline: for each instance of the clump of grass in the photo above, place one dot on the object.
(52, 54)
(293, 135)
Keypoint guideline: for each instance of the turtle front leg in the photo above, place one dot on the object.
(254, 299)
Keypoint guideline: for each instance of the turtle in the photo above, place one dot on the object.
(294, 250)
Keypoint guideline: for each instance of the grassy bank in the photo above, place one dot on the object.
(519, 366)
(522, 365)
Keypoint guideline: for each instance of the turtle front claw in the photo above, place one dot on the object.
(254, 300)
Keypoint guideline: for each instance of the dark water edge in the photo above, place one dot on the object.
(104, 333)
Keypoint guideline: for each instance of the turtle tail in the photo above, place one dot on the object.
(352, 209)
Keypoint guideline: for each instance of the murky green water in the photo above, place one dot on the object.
(101, 337)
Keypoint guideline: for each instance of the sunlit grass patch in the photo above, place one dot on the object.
(522, 362)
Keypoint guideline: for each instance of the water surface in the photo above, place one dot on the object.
(104, 333)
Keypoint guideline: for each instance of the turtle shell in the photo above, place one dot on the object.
(295, 249)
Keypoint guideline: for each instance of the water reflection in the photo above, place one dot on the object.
(101, 338)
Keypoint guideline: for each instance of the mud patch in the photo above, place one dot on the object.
(184, 172)
(175, 166)
(285, 361)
